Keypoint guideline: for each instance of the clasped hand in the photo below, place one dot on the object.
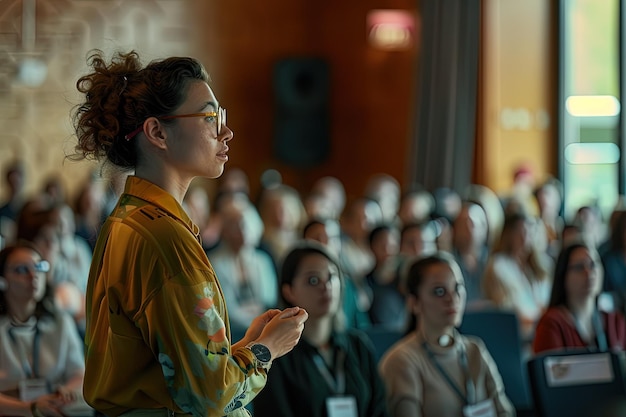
(279, 330)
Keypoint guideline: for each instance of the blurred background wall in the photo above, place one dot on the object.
(369, 94)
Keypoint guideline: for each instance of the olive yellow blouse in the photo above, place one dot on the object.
(157, 332)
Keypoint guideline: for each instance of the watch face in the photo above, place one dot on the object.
(261, 352)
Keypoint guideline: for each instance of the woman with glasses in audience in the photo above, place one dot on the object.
(573, 319)
(41, 354)
(434, 370)
(332, 371)
(158, 336)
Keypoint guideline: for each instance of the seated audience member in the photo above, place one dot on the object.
(489, 201)
(387, 309)
(572, 319)
(549, 196)
(470, 248)
(41, 354)
(517, 276)
(332, 371)
(448, 205)
(197, 204)
(416, 206)
(385, 190)
(51, 228)
(88, 208)
(434, 370)
(247, 273)
(614, 261)
(329, 194)
(327, 232)
(357, 221)
(14, 185)
(283, 215)
(570, 234)
(591, 225)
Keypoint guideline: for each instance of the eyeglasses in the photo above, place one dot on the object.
(581, 266)
(23, 269)
(220, 116)
(315, 280)
(440, 292)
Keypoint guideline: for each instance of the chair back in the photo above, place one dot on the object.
(382, 338)
(578, 383)
(500, 331)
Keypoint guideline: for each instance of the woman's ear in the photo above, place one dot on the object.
(155, 132)
(287, 293)
(413, 305)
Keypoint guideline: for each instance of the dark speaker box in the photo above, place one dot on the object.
(302, 121)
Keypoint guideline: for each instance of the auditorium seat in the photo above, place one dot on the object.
(499, 330)
(578, 384)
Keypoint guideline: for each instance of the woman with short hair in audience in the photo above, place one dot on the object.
(434, 370)
(332, 371)
(573, 319)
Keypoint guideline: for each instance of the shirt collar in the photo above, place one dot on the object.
(338, 340)
(158, 197)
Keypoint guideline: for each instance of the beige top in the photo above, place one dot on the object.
(410, 375)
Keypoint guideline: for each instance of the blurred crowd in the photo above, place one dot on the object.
(506, 245)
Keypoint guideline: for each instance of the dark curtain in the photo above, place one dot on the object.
(443, 141)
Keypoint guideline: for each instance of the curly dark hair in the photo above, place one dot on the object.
(121, 95)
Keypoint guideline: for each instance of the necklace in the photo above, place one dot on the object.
(444, 340)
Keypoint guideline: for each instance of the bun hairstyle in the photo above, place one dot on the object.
(120, 95)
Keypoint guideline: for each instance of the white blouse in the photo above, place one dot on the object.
(58, 358)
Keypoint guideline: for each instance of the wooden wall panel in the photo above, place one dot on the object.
(371, 90)
(517, 122)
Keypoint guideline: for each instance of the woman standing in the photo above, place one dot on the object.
(158, 336)
(333, 369)
(434, 370)
(572, 319)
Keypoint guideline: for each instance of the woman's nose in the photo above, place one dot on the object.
(226, 135)
(326, 285)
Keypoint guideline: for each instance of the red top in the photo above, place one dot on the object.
(557, 330)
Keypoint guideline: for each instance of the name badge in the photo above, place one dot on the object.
(31, 389)
(484, 408)
(341, 406)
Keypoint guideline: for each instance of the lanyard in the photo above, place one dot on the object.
(470, 389)
(30, 372)
(603, 345)
(598, 329)
(337, 385)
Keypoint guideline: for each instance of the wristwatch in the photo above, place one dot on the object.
(261, 353)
